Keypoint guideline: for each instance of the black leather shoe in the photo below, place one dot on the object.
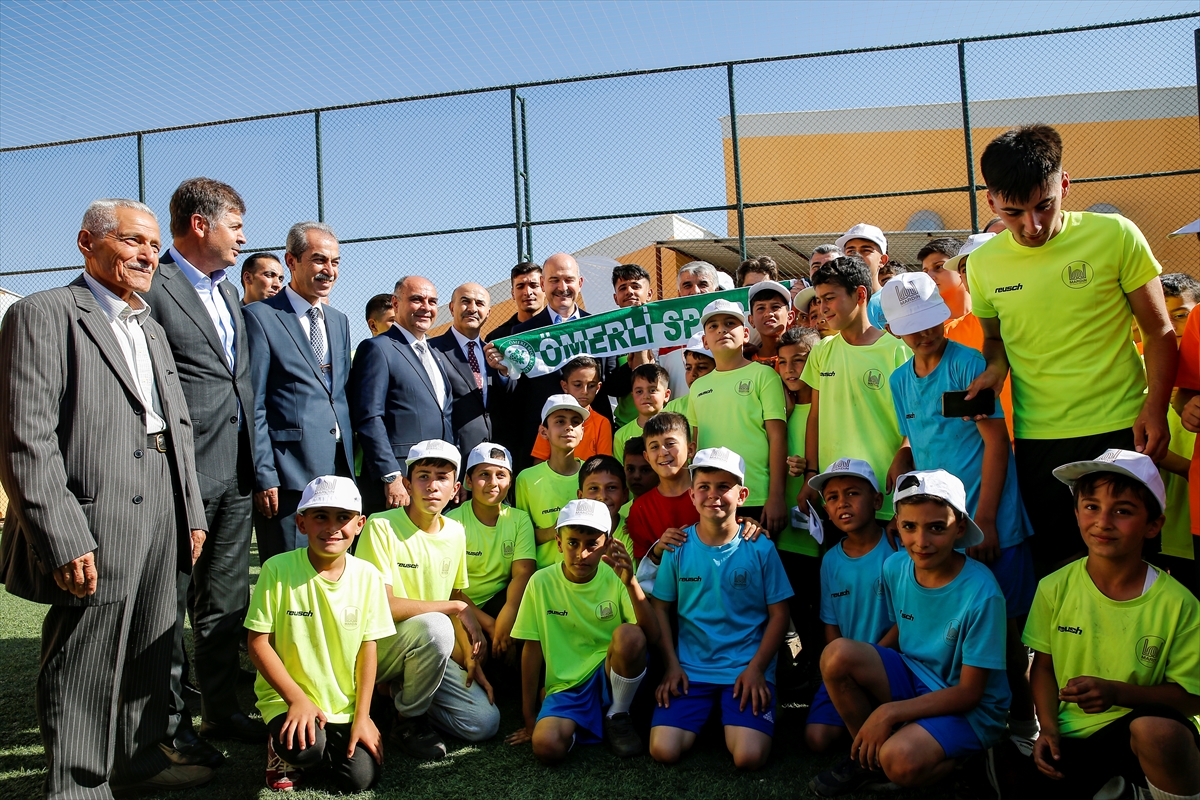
(237, 726)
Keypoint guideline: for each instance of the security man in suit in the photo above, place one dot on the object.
(96, 457)
(399, 394)
(299, 366)
(194, 300)
(478, 391)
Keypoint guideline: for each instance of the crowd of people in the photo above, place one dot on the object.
(955, 494)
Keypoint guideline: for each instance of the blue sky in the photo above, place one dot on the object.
(74, 70)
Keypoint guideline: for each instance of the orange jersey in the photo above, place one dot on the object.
(967, 331)
(1188, 377)
(597, 440)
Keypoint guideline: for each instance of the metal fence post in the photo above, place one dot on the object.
(966, 114)
(512, 102)
(141, 170)
(737, 165)
(320, 171)
(525, 175)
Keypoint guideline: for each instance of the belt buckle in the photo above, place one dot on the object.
(160, 442)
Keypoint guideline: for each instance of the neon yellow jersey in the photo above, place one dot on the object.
(856, 415)
(623, 435)
(793, 539)
(318, 627)
(1147, 641)
(1065, 322)
(417, 565)
(573, 621)
(541, 493)
(492, 551)
(1177, 531)
(679, 405)
(730, 409)
(621, 535)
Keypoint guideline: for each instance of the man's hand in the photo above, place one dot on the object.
(751, 687)
(618, 558)
(1150, 434)
(198, 538)
(1191, 415)
(796, 466)
(990, 378)
(494, 357)
(1046, 752)
(774, 514)
(1092, 695)
(365, 733)
(78, 576)
(300, 725)
(871, 736)
(267, 502)
(394, 494)
(674, 684)
(989, 550)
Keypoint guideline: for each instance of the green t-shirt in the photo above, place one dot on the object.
(541, 493)
(730, 409)
(1065, 322)
(318, 626)
(623, 435)
(857, 418)
(417, 565)
(1177, 531)
(491, 551)
(573, 621)
(796, 539)
(679, 405)
(1147, 641)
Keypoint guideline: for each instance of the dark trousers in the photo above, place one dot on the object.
(1056, 538)
(104, 688)
(355, 773)
(278, 534)
(804, 574)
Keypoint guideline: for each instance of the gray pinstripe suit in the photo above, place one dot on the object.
(75, 463)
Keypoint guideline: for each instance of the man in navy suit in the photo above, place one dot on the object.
(399, 395)
(299, 366)
(478, 390)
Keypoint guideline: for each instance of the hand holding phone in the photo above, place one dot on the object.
(955, 404)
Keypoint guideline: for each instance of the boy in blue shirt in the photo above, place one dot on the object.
(731, 598)
(946, 676)
(976, 451)
(852, 601)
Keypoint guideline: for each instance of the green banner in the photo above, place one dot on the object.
(663, 323)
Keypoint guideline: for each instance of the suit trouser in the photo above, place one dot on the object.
(278, 534)
(104, 686)
(221, 579)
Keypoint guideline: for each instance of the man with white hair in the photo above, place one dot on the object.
(695, 277)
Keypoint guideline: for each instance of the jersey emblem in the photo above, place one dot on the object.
(1149, 648)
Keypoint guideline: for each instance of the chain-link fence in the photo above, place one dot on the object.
(761, 157)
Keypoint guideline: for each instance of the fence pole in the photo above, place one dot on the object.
(1197, 35)
(320, 170)
(737, 165)
(966, 114)
(141, 169)
(512, 102)
(525, 175)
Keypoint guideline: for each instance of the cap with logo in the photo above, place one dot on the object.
(696, 345)
(489, 453)
(845, 468)
(1123, 462)
(718, 307)
(863, 231)
(721, 458)
(941, 484)
(911, 303)
(331, 491)
(973, 243)
(434, 448)
(804, 296)
(768, 286)
(558, 401)
(586, 514)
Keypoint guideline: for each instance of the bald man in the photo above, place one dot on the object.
(478, 390)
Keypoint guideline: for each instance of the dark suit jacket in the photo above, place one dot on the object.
(472, 420)
(503, 329)
(71, 434)
(393, 404)
(295, 415)
(213, 392)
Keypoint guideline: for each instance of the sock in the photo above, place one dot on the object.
(623, 690)
(1159, 794)
(1025, 728)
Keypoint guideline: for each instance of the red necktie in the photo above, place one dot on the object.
(474, 362)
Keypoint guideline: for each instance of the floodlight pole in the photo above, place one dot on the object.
(320, 170)
(141, 169)
(737, 165)
(512, 101)
(966, 114)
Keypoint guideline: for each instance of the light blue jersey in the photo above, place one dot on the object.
(941, 629)
(950, 443)
(722, 594)
(852, 592)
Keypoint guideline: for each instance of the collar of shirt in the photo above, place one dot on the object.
(462, 345)
(300, 305)
(409, 336)
(114, 307)
(556, 318)
(202, 282)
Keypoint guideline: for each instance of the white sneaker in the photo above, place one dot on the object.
(281, 776)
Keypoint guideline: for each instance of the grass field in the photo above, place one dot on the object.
(471, 772)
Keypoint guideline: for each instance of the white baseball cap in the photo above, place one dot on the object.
(721, 458)
(434, 448)
(696, 345)
(556, 401)
(911, 303)
(941, 484)
(585, 513)
(973, 243)
(863, 231)
(722, 307)
(1123, 462)
(724, 280)
(768, 286)
(1186, 230)
(331, 491)
(489, 453)
(804, 296)
(845, 468)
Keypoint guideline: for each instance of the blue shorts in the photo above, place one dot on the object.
(1014, 572)
(689, 712)
(952, 732)
(584, 705)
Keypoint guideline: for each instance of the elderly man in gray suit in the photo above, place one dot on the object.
(199, 308)
(96, 444)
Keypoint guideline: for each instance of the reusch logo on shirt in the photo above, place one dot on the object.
(1075, 630)
(910, 416)
(843, 593)
(554, 510)
(706, 391)
(908, 617)
(1016, 287)
(1077, 274)
(474, 552)
(551, 612)
(1149, 648)
(830, 374)
(689, 578)
(291, 613)
(403, 565)
(606, 611)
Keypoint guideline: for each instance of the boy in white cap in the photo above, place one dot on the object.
(741, 403)
(975, 450)
(433, 663)
(1116, 665)
(543, 489)
(591, 627)
(946, 675)
(314, 620)
(697, 362)
(500, 546)
(731, 596)
(771, 314)
(580, 379)
(868, 243)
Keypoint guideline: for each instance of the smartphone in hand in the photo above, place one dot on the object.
(956, 404)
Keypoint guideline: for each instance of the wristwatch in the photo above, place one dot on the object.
(390, 478)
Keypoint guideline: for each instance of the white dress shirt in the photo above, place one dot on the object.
(556, 318)
(462, 345)
(209, 289)
(126, 323)
(421, 348)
